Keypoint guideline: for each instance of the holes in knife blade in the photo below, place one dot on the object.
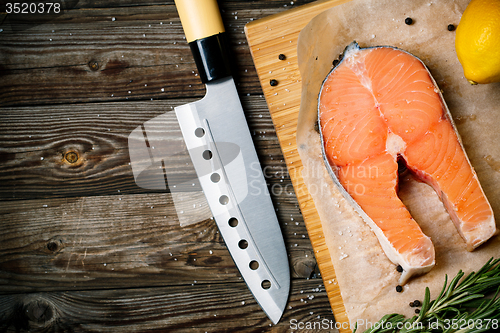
(199, 132)
(253, 265)
(207, 154)
(243, 244)
(224, 199)
(233, 222)
(215, 177)
(266, 284)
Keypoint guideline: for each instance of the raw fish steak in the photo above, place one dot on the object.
(380, 106)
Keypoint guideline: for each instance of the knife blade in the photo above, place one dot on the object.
(215, 130)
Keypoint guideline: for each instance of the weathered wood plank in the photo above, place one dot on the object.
(114, 54)
(101, 52)
(35, 143)
(82, 149)
(89, 242)
(196, 307)
(123, 241)
(91, 57)
(269, 6)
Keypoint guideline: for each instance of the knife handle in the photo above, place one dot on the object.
(204, 30)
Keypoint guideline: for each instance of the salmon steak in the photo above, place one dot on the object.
(380, 107)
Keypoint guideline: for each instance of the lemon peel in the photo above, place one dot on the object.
(477, 41)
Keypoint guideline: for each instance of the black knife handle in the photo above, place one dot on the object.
(204, 30)
(211, 56)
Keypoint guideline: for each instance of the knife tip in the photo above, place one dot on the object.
(276, 318)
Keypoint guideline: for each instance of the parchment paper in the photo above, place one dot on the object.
(367, 279)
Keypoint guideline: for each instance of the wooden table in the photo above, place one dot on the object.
(82, 247)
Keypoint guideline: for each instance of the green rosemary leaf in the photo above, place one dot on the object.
(484, 285)
(425, 304)
(460, 299)
(473, 276)
(474, 304)
(453, 284)
(489, 272)
(444, 286)
(488, 307)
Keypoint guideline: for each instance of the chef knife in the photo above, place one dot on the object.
(215, 131)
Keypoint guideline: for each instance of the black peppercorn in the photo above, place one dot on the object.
(282, 56)
(273, 83)
(399, 289)
(399, 268)
(335, 62)
(316, 127)
(417, 311)
(416, 303)
(408, 21)
(451, 27)
(412, 304)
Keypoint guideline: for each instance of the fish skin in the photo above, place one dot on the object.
(379, 105)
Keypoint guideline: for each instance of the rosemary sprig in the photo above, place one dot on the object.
(464, 305)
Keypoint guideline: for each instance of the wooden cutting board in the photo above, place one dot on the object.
(268, 38)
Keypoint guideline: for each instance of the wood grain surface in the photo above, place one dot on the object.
(82, 247)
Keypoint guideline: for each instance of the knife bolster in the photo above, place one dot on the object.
(211, 57)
